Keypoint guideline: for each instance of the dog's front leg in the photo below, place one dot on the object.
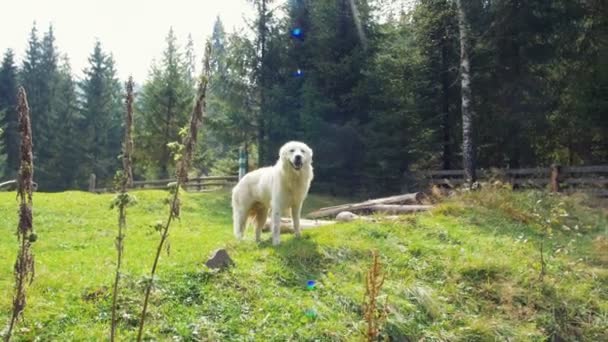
(296, 210)
(276, 220)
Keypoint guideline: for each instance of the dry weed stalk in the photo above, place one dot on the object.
(183, 164)
(374, 315)
(122, 200)
(24, 265)
(128, 143)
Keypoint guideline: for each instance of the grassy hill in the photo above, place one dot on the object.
(467, 271)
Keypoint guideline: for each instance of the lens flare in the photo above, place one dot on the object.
(296, 32)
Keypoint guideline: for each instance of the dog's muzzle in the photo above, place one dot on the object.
(297, 163)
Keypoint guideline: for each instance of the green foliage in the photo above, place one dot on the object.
(372, 111)
(102, 116)
(9, 133)
(39, 75)
(395, 106)
(123, 200)
(162, 109)
(68, 162)
(230, 120)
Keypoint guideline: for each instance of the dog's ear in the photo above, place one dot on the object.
(283, 151)
(309, 151)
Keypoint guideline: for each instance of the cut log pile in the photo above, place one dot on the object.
(394, 205)
(400, 204)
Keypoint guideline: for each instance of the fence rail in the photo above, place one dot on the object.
(194, 184)
(568, 179)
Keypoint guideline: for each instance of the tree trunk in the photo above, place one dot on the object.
(445, 86)
(468, 153)
(262, 85)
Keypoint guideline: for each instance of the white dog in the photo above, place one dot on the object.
(278, 188)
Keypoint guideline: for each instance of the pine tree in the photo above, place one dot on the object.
(68, 158)
(39, 76)
(219, 66)
(261, 76)
(434, 25)
(213, 144)
(190, 60)
(101, 111)
(9, 138)
(163, 108)
(31, 79)
(335, 102)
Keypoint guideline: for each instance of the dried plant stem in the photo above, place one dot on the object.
(182, 176)
(125, 180)
(119, 246)
(165, 234)
(543, 263)
(24, 265)
(374, 316)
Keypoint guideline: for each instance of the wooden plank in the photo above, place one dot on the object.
(154, 186)
(530, 181)
(198, 179)
(154, 181)
(590, 191)
(205, 184)
(585, 169)
(446, 181)
(227, 178)
(527, 171)
(440, 173)
(594, 181)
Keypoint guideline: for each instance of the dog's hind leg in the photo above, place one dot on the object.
(239, 218)
(261, 213)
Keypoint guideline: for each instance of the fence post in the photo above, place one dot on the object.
(92, 179)
(555, 177)
(243, 161)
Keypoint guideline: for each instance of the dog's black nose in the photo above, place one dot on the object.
(298, 159)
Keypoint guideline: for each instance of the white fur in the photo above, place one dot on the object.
(276, 188)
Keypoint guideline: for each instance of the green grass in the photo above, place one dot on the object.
(467, 271)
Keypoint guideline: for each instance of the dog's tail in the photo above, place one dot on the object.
(257, 215)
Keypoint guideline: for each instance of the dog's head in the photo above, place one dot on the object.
(295, 155)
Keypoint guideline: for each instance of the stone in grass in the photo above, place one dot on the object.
(219, 260)
(346, 216)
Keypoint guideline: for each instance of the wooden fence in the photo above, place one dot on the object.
(568, 179)
(589, 179)
(194, 184)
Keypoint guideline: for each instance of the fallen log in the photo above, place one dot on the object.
(347, 216)
(413, 198)
(287, 225)
(397, 209)
(12, 185)
(7, 184)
